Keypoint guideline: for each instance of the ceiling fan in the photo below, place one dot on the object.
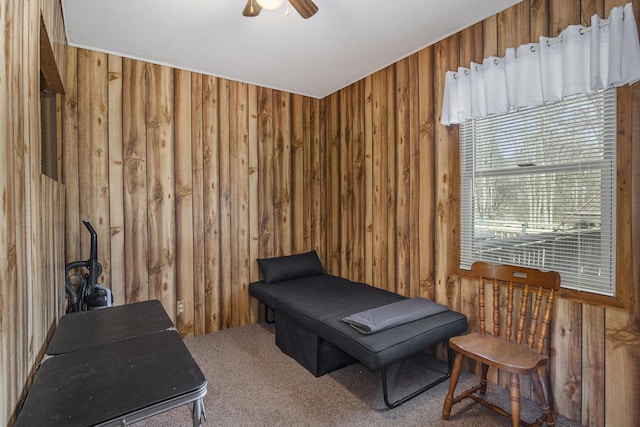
(306, 8)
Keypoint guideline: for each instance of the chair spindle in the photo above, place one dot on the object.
(522, 316)
(535, 315)
(545, 322)
(496, 308)
(481, 308)
(509, 328)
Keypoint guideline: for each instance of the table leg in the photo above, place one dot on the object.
(198, 412)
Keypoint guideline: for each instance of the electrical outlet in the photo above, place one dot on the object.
(180, 307)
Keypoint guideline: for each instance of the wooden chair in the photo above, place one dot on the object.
(522, 354)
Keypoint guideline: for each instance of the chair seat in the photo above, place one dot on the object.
(498, 352)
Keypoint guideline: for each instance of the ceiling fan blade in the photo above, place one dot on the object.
(306, 8)
(252, 8)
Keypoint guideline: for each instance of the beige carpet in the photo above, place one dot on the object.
(252, 383)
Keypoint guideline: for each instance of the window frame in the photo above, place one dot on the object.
(623, 214)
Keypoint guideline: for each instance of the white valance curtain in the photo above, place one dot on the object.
(580, 60)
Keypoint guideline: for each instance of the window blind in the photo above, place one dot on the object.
(538, 190)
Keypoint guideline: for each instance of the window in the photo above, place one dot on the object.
(538, 190)
(49, 133)
(50, 85)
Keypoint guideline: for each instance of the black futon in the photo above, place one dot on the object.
(310, 308)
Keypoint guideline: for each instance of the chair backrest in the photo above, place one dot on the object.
(532, 282)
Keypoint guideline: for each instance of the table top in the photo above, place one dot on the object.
(96, 327)
(102, 383)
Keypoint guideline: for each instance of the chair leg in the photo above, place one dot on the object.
(483, 378)
(537, 385)
(514, 391)
(453, 382)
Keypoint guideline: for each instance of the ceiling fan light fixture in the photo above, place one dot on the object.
(270, 4)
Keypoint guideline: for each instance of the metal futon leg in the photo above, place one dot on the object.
(266, 315)
(417, 392)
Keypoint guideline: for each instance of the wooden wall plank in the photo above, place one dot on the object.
(368, 178)
(306, 178)
(593, 366)
(446, 58)
(635, 194)
(184, 195)
(19, 312)
(402, 209)
(359, 182)
(309, 215)
(234, 190)
(414, 238)
(52, 257)
(134, 155)
(319, 197)
(254, 213)
(10, 335)
(426, 126)
(211, 204)
(562, 14)
(282, 172)
(333, 260)
(539, 19)
(266, 173)
(224, 144)
(379, 179)
(298, 189)
(471, 50)
(116, 180)
(588, 8)
(226, 89)
(38, 319)
(161, 186)
(345, 211)
(634, 321)
(391, 257)
(323, 201)
(513, 27)
(566, 371)
(70, 177)
(93, 140)
(240, 220)
(621, 368)
(198, 197)
(489, 38)
(311, 138)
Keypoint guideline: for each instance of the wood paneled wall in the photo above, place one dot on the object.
(189, 178)
(32, 220)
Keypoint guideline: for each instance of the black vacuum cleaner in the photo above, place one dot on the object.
(82, 288)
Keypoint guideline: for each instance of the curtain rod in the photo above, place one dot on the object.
(534, 47)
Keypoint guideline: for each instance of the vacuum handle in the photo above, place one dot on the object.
(95, 269)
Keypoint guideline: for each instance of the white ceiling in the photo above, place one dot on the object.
(342, 43)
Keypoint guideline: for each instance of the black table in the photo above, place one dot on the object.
(85, 329)
(116, 380)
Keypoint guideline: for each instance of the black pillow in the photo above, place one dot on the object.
(290, 267)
